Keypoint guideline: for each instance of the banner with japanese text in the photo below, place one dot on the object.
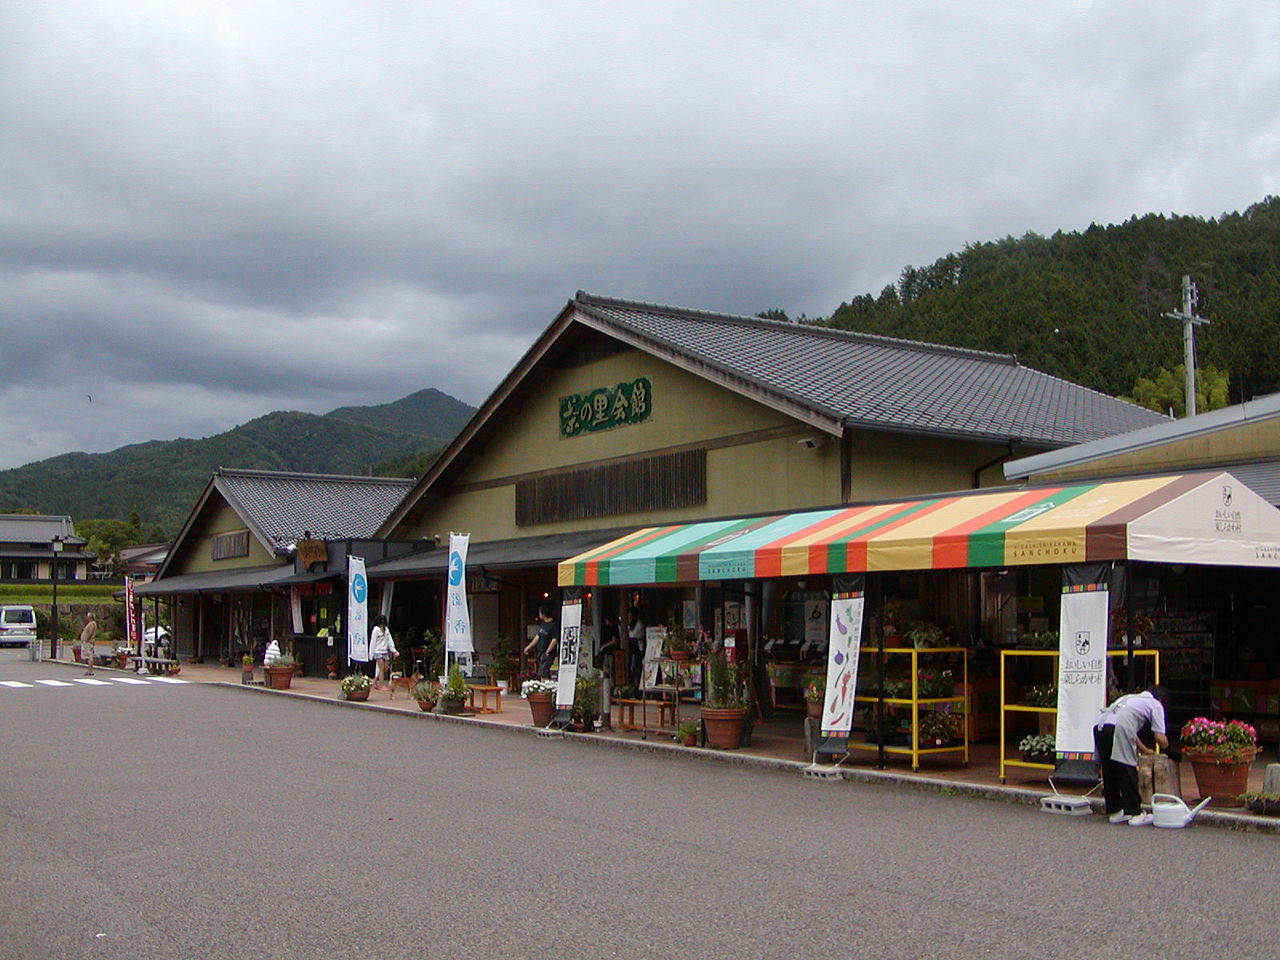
(457, 624)
(130, 621)
(1082, 668)
(570, 645)
(357, 610)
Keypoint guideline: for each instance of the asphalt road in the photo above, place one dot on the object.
(185, 821)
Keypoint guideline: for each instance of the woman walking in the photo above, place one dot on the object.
(382, 649)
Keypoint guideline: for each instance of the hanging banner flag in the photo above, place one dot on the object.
(1082, 668)
(570, 644)
(844, 639)
(130, 620)
(357, 610)
(457, 635)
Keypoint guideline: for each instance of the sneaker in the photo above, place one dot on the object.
(1142, 820)
(1118, 817)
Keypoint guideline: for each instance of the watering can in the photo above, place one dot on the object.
(1169, 811)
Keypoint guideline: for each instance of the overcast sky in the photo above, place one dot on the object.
(209, 211)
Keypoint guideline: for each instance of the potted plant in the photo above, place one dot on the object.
(1220, 752)
(937, 728)
(724, 713)
(921, 635)
(687, 734)
(541, 696)
(246, 669)
(502, 662)
(1038, 748)
(814, 694)
(1042, 695)
(426, 692)
(280, 672)
(454, 692)
(355, 686)
(1045, 640)
(1267, 804)
(935, 684)
(678, 644)
(586, 703)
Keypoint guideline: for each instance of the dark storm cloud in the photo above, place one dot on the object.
(216, 210)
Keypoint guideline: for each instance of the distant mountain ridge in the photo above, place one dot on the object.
(159, 480)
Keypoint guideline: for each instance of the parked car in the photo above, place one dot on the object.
(17, 625)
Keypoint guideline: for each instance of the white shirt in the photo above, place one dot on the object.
(381, 646)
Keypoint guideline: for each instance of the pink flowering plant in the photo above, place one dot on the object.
(1222, 741)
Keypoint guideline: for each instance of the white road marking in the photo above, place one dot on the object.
(167, 680)
(14, 683)
(130, 680)
(54, 683)
(91, 681)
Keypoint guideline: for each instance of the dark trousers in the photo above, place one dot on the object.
(1119, 780)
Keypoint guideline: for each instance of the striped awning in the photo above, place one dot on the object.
(1206, 518)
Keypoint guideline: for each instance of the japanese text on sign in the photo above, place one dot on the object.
(606, 407)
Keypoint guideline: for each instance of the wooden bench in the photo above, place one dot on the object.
(485, 690)
(626, 720)
(161, 664)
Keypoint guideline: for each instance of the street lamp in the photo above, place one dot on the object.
(56, 544)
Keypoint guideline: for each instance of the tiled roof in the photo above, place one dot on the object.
(33, 528)
(284, 506)
(880, 382)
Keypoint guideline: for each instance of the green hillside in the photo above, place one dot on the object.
(1088, 306)
(160, 480)
(428, 413)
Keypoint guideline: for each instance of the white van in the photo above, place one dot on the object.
(17, 625)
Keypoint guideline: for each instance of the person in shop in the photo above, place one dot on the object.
(383, 650)
(544, 642)
(609, 641)
(635, 647)
(1117, 737)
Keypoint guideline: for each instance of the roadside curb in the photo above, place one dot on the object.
(995, 793)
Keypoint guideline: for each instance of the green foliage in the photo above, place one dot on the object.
(155, 485)
(456, 687)
(68, 593)
(1088, 306)
(1167, 390)
(107, 538)
(724, 689)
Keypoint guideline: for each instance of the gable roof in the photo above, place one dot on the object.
(829, 379)
(279, 508)
(37, 529)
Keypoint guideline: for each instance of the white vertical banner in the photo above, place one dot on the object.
(457, 620)
(295, 610)
(844, 639)
(131, 621)
(388, 591)
(570, 644)
(1082, 668)
(357, 610)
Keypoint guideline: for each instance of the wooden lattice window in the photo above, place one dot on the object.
(228, 545)
(665, 482)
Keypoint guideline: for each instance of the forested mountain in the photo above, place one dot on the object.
(158, 481)
(1088, 306)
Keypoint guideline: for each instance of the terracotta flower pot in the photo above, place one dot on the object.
(279, 678)
(426, 706)
(724, 726)
(1221, 781)
(543, 708)
(358, 694)
(813, 708)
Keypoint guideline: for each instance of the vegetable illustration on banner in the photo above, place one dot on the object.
(844, 645)
(458, 617)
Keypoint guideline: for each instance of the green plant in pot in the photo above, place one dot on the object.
(724, 714)
(1038, 748)
(678, 644)
(426, 692)
(502, 661)
(355, 686)
(454, 692)
(937, 727)
(280, 672)
(586, 702)
(922, 634)
(814, 695)
(687, 734)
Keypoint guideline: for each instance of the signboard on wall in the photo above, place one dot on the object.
(606, 407)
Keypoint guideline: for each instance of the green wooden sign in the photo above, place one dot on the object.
(606, 408)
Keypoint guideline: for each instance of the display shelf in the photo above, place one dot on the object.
(915, 750)
(1007, 708)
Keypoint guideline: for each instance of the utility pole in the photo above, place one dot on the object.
(1190, 297)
